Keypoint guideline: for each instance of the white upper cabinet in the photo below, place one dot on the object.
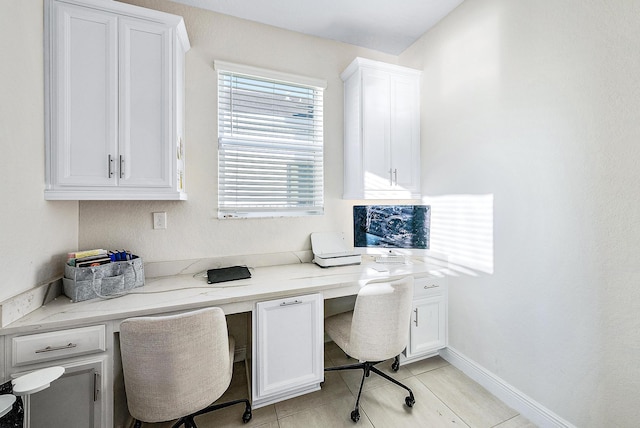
(114, 78)
(84, 106)
(381, 131)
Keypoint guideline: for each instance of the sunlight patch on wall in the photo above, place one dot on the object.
(380, 187)
(462, 229)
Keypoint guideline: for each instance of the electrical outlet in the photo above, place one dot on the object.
(160, 220)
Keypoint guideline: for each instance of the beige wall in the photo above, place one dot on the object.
(35, 235)
(193, 228)
(536, 103)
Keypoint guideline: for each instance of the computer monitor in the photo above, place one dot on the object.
(391, 229)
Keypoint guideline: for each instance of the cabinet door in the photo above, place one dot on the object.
(375, 129)
(405, 132)
(73, 400)
(145, 104)
(287, 345)
(427, 333)
(84, 109)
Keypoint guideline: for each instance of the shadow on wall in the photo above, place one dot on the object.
(462, 228)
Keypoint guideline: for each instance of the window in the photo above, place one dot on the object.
(270, 143)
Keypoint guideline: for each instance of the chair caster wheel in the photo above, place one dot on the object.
(246, 416)
(355, 416)
(409, 401)
(395, 366)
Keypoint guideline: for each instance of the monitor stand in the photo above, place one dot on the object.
(390, 257)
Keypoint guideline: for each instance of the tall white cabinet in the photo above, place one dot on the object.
(114, 76)
(381, 131)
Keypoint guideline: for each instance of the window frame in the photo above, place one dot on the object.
(226, 141)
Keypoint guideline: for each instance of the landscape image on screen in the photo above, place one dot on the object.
(391, 226)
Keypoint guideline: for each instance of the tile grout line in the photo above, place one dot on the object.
(444, 403)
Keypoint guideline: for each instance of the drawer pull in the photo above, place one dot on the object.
(56, 348)
(295, 302)
(426, 287)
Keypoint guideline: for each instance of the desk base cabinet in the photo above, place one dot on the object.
(428, 331)
(83, 395)
(287, 348)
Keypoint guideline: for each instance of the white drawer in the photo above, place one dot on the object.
(54, 345)
(428, 286)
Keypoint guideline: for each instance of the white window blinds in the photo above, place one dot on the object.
(270, 144)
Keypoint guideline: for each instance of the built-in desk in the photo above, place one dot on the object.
(94, 324)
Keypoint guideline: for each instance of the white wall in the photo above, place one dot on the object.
(193, 228)
(537, 103)
(35, 235)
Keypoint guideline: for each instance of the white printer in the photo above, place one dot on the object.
(329, 249)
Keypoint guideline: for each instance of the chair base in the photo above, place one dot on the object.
(188, 422)
(368, 367)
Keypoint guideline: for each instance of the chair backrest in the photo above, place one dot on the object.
(381, 319)
(174, 365)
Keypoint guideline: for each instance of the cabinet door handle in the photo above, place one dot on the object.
(395, 176)
(390, 177)
(121, 166)
(416, 320)
(96, 386)
(110, 166)
(56, 348)
(295, 302)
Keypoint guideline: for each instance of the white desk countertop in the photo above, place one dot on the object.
(184, 292)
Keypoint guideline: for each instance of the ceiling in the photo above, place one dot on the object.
(382, 25)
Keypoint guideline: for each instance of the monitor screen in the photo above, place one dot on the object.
(391, 226)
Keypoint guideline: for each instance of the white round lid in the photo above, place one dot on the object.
(6, 403)
(36, 380)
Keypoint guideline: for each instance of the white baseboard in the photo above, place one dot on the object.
(526, 406)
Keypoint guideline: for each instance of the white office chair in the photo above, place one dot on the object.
(176, 366)
(377, 329)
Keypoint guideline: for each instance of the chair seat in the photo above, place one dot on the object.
(338, 327)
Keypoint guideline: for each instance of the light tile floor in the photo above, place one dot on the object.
(445, 397)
